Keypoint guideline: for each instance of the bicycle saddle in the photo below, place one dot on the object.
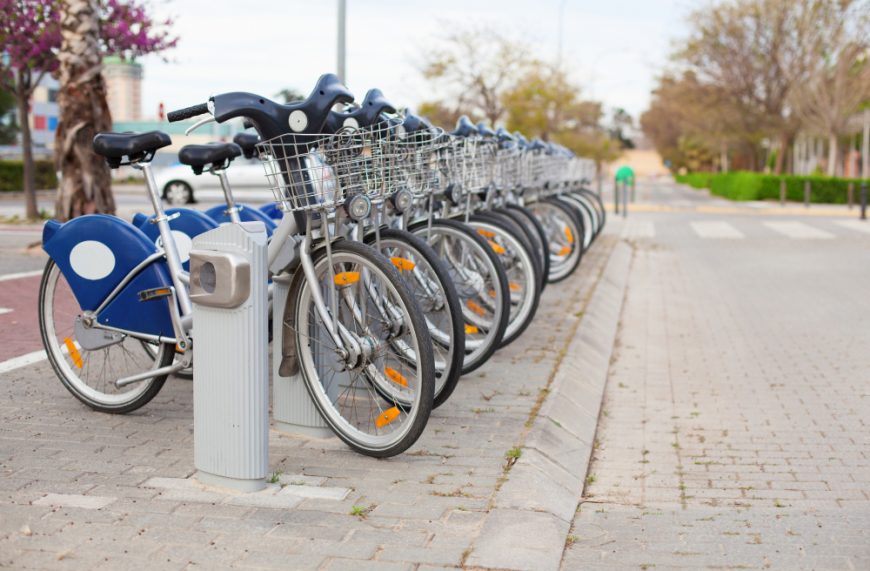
(248, 143)
(464, 127)
(137, 147)
(198, 156)
(366, 115)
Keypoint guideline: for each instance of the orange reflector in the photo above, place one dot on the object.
(515, 286)
(73, 352)
(496, 247)
(387, 417)
(486, 233)
(469, 329)
(473, 306)
(395, 376)
(492, 293)
(403, 264)
(346, 278)
(569, 234)
(565, 251)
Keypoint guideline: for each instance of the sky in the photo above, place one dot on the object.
(613, 49)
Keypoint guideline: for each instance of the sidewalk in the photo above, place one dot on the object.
(86, 490)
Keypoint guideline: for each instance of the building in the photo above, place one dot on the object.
(124, 88)
(44, 114)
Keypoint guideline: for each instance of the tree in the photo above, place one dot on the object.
(544, 103)
(29, 33)
(8, 130)
(473, 67)
(839, 80)
(289, 94)
(89, 29)
(755, 52)
(31, 37)
(439, 114)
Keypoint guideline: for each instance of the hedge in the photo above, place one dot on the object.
(743, 185)
(12, 175)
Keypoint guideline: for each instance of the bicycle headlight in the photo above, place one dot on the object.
(358, 207)
(454, 193)
(402, 200)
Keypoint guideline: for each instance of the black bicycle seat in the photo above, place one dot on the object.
(137, 147)
(248, 143)
(217, 154)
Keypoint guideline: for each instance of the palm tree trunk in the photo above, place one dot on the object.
(22, 93)
(832, 155)
(85, 185)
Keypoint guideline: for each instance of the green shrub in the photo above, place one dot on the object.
(743, 185)
(12, 175)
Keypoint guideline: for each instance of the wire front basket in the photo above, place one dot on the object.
(320, 171)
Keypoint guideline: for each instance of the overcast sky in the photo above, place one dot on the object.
(612, 48)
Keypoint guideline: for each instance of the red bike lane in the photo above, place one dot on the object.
(19, 326)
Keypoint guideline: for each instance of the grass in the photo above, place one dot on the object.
(511, 457)
(276, 477)
(361, 512)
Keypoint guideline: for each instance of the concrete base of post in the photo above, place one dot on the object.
(208, 479)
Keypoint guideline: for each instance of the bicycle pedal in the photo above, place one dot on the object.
(155, 293)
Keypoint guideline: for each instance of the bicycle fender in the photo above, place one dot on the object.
(188, 224)
(246, 214)
(95, 253)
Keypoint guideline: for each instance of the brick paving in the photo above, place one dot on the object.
(734, 433)
(79, 489)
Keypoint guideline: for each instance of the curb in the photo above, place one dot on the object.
(533, 511)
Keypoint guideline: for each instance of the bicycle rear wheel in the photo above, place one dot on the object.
(429, 282)
(377, 397)
(476, 272)
(88, 368)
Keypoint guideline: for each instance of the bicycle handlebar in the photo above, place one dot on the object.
(187, 112)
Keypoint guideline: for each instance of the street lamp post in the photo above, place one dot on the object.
(342, 17)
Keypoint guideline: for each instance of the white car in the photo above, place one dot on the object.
(179, 186)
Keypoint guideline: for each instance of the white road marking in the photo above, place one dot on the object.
(858, 225)
(19, 275)
(798, 230)
(4, 310)
(716, 230)
(22, 361)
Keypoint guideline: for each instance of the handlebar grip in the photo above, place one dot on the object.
(187, 113)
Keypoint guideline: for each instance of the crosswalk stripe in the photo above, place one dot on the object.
(798, 230)
(858, 225)
(716, 230)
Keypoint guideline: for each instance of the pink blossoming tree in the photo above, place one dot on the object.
(68, 38)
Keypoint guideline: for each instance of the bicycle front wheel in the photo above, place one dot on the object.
(88, 368)
(375, 387)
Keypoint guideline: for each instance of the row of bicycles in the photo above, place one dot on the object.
(411, 254)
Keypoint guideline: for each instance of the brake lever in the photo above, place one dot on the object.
(198, 124)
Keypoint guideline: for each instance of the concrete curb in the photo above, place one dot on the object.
(533, 510)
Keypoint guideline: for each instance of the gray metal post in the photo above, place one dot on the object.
(864, 200)
(850, 195)
(807, 193)
(341, 47)
(624, 198)
(228, 271)
(633, 190)
(782, 191)
(615, 196)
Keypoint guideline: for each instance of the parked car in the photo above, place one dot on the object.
(179, 186)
